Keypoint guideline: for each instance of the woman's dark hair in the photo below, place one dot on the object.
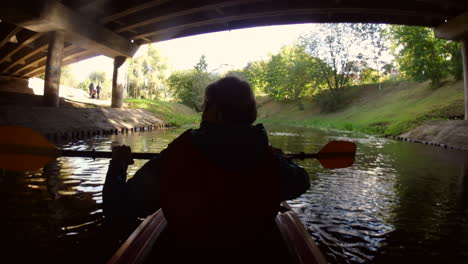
(234, 99)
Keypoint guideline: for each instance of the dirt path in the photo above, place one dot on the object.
(70, 94)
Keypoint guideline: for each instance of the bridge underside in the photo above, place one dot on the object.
(117, 28)
(24, 40)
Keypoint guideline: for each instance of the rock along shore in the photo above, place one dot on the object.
(444, 133)
(74, 123)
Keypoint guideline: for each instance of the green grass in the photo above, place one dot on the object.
(173, 114)
(396, 108)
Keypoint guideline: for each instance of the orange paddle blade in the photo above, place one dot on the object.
(337, 154)
(23, 149)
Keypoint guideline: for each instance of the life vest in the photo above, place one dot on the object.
(208, 205)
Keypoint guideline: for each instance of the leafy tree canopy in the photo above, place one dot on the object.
(291, 73)
(189, 86)
(201, 66)
(67, 77)
(255, 74)
(422, 57)
(147, 75)
(342, 51)
(97, 77)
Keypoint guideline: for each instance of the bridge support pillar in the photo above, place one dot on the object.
(464, 46)
(53, 69)
(117, 82)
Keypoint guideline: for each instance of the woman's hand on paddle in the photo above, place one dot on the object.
(122, 153)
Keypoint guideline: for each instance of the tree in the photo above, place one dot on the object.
(332, 46)
(97, 77)
(182, 85)
(67, 77)
(455, 62)
(240, 74)
(369, 75)
(147, 75)
(134, 82)
(291, 73)
(201, 66)
(189, 86)
(341, 50)
(390, 69)
(255, 74)
(373, 34)
(421, 56)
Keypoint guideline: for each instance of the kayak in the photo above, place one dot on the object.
(142, 245)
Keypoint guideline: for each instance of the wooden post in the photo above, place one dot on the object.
(53, 69)
(464, 47)
(117, 83)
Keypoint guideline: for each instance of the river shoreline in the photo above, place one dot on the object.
(76, 119)
(72, 123)
(76, 123)
(451, 134)
(404, 110)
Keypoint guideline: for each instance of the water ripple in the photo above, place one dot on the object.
(398, 199)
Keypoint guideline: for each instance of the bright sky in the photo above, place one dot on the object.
(223, 50)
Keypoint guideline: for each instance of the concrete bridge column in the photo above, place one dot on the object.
(117, 82)
(464, 46)
(53, 69)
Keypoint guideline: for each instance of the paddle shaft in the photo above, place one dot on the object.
(103, 154)
(23, 149)
(302, 156)
(138, 155)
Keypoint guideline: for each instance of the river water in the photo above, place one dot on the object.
(399, 202)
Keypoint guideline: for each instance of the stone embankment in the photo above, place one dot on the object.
(76, 118)
(76, 123)
(450, 134)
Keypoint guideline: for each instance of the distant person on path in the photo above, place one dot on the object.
(91, 90)
(98, 90)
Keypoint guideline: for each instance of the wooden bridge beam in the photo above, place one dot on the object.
(51, 15)
(7, 38)
(20, 46)
(67, 59)
(23, 60)
(39, 61)
(133, 10)
(181, 13)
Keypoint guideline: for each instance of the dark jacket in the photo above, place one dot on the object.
(232, 148)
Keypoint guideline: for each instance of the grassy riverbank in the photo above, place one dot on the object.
(173, 114)
(395, 108)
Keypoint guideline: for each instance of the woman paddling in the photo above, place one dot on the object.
(209, 179)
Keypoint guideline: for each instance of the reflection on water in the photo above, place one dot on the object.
(55, 215)
(400, 202)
